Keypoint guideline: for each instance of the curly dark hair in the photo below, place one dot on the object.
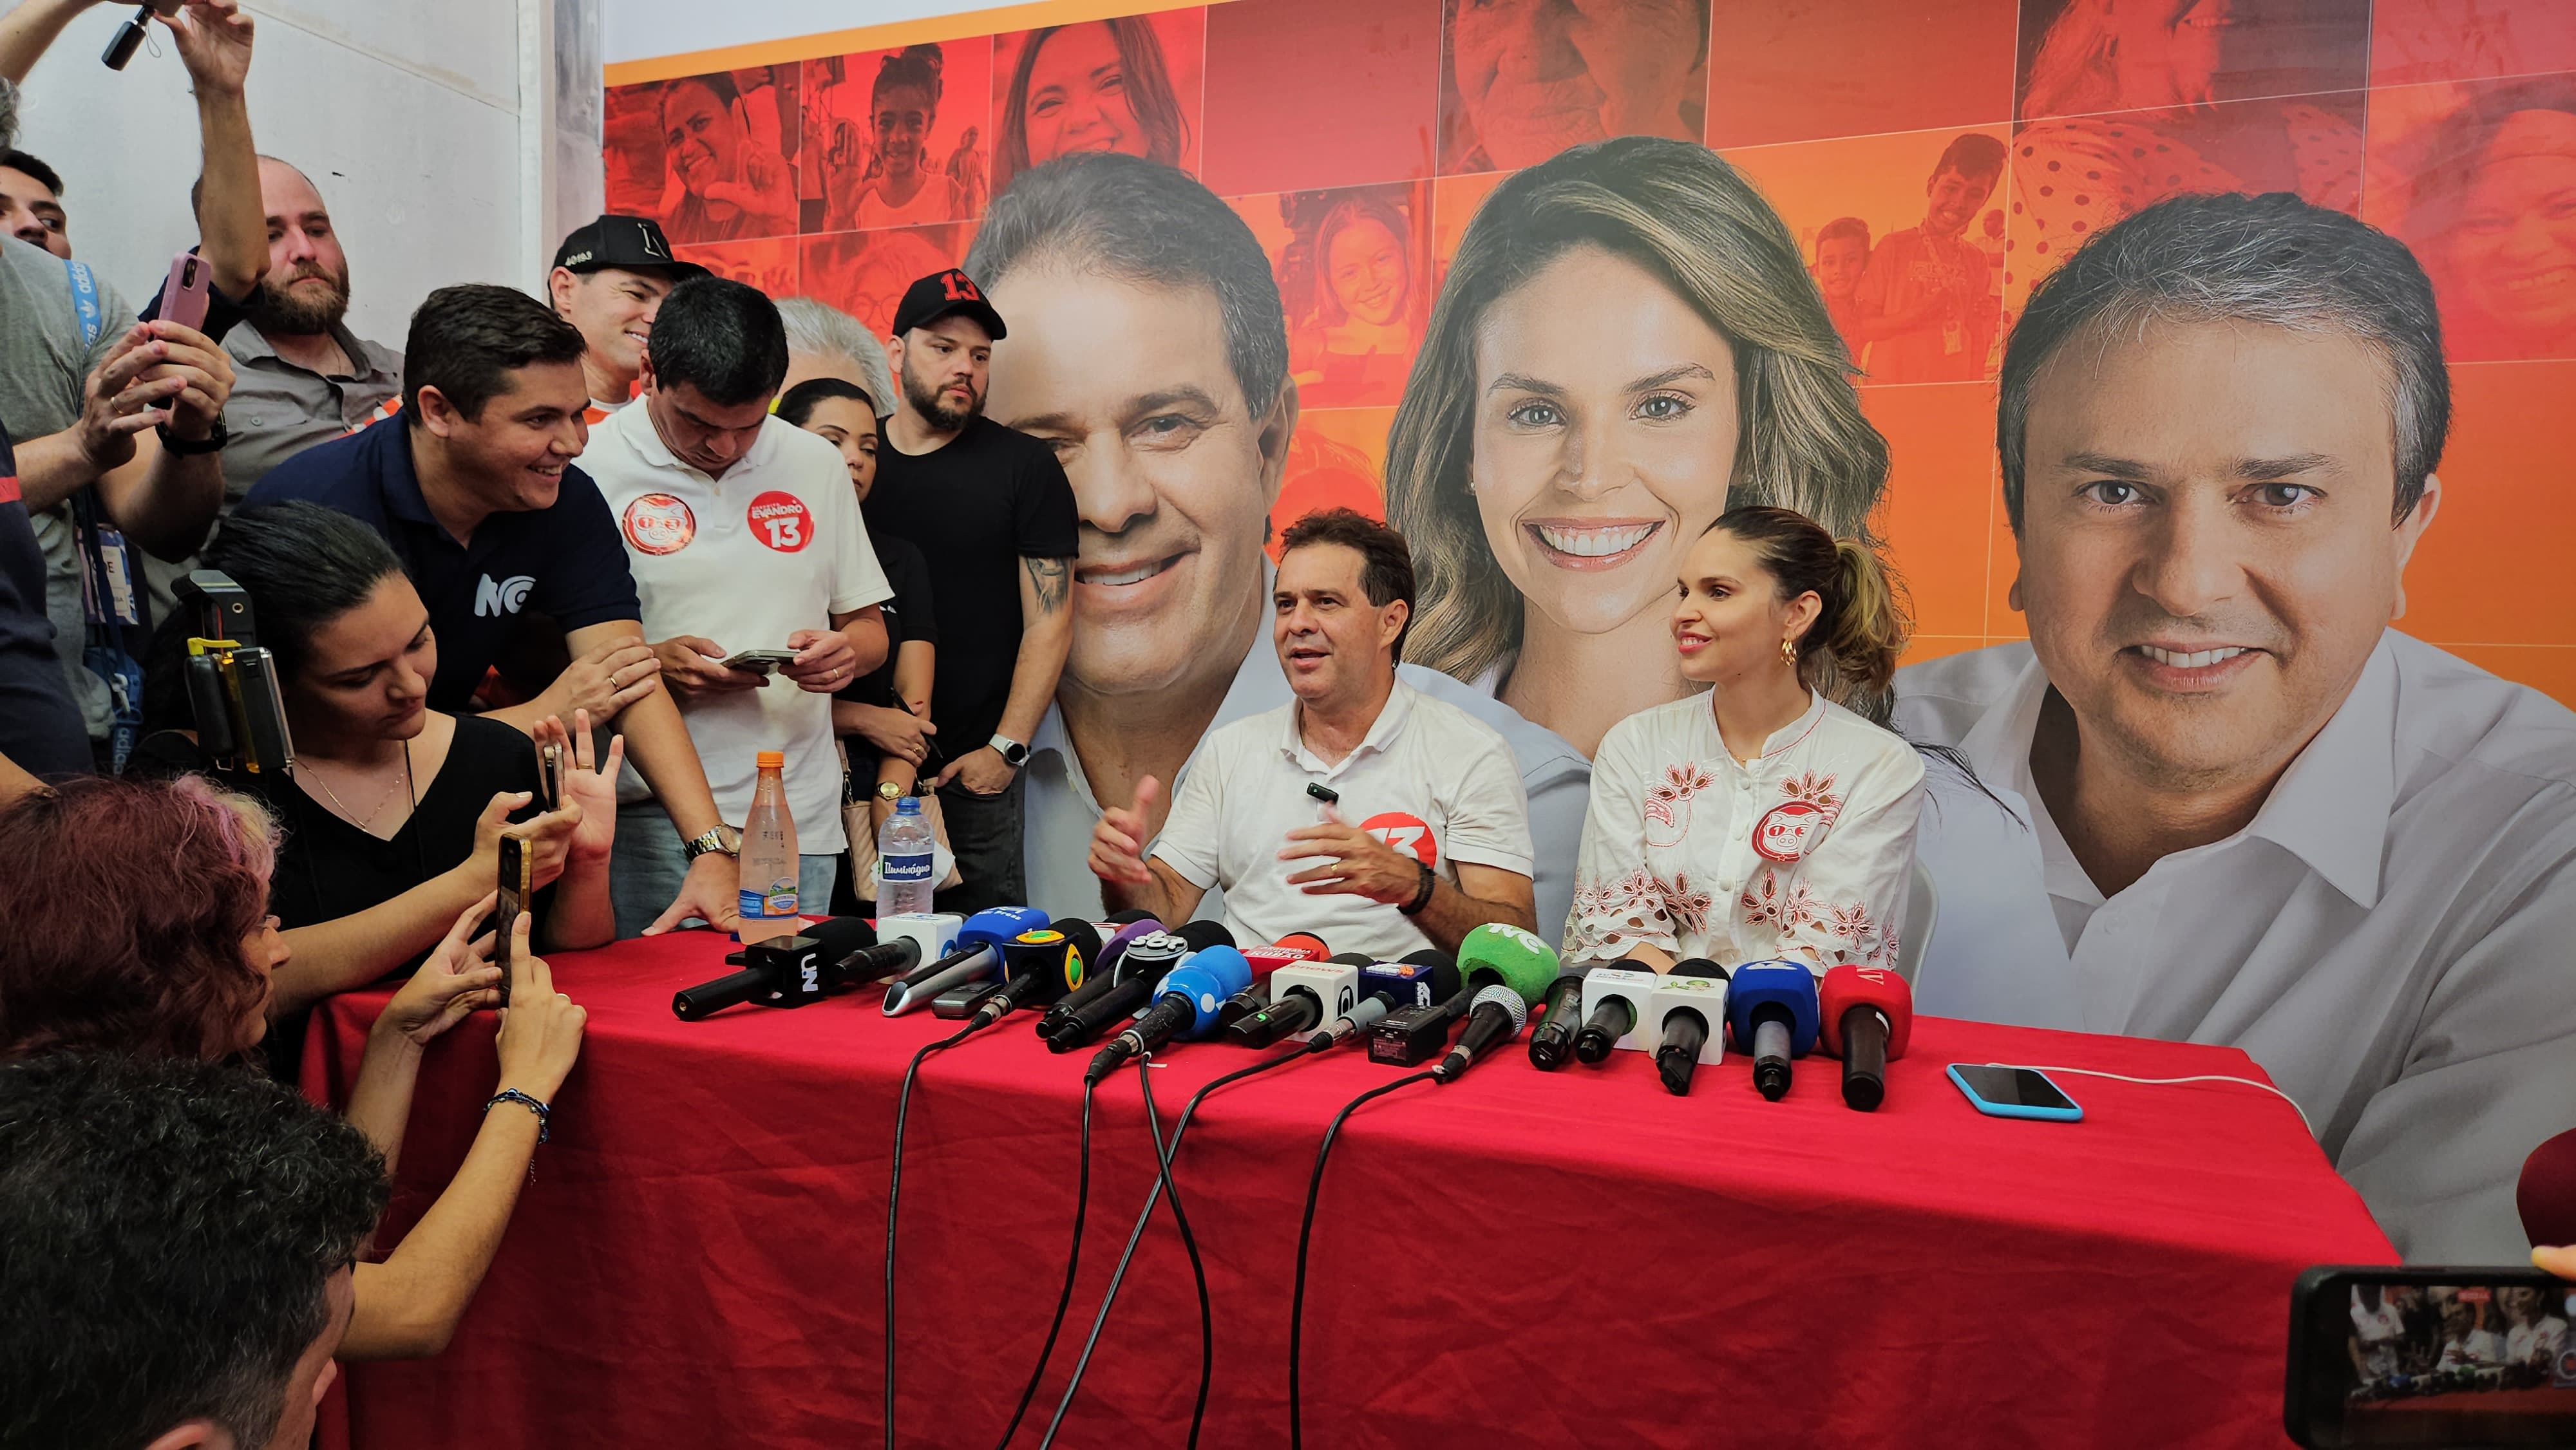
(127, 904)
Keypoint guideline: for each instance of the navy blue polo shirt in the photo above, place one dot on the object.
(40, 728)
(564, 561)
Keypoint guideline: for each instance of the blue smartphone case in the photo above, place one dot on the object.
(2017, 1110)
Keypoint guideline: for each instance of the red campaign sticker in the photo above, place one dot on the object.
(780, 521)
(657, 523)
(1407, 834)
(1785, 829)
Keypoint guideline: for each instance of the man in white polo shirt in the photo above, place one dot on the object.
(743, 535)
(1363, 811)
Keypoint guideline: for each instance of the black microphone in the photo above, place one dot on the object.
(823, 957)
(1432, 979)
(1296, 1009)
(1145, 962)
(1496, 1015)
(1040, 964)
(1185, 1000)
(1553, 1042)
(1692, 1004)
(1612, 1020)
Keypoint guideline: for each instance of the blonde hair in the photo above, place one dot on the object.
(1681, 212)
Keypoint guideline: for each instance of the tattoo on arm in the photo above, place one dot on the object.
(1053, 580)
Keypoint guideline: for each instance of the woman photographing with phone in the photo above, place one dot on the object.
(1761, 819)
(393, 812)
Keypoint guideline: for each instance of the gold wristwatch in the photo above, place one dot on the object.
(889, 792)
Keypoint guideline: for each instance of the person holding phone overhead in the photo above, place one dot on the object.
(744, 536)
(1761, 819)
(393, 812)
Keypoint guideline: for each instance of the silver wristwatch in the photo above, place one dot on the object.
(714, 838)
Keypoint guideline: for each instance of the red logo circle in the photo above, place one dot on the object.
(780, 521)
(1409, 835)
(657, 523)
(1785, 829)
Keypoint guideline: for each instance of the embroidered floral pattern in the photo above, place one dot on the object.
(1639, 907)
(1815, 787)
(1668, 804)
(1766, 904)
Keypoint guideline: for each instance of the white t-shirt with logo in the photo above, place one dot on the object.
(1430, 780)
(774, 546)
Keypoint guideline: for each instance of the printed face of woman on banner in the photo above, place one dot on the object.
(2498, 213)
(1365, 267)
(733, 184)
(1103, 85)
(1533, 77)
(1610, 361)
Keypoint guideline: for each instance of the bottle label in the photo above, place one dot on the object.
(779, 900)
(905, 868)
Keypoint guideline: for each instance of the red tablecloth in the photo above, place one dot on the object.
(1576, 1259)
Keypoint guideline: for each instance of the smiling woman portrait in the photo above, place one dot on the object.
(1628, 344)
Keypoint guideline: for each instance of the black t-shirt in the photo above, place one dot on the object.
(40, 728)
(565, 560)
(911, 616)
(975, 508)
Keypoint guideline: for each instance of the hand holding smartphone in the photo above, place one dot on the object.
(759, 661)
(513, 903)
(184, 295)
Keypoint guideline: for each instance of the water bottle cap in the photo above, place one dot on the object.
(907, 806)
(773, 760)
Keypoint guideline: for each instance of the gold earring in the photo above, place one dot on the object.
(1789, 653)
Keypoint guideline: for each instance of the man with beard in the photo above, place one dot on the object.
(991, 508)
(305, 378)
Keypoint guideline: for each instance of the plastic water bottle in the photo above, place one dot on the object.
(769, 861)
(903, 860)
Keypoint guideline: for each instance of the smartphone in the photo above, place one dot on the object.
(2014, 1092)
(550, 773)
(760, 661)
(958, 1003)
(2431, 1357)
(183, 295)
(514, 900)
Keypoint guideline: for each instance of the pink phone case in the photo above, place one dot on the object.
(183, 297)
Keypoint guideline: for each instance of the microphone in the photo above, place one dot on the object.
(1614, 1002)
(1041, 963)
(1303, 996)
(2546, 1192)
(1424, 978)
(1553, 1043)
(1868, 1016)
(1491, 955)
(1688, 1012)
(1186, 998)
(822, 957)
(1102, 974)
(1772, 1008)
(978, 953)
(1295, 947)
(1495, 1015)
(1147, 961)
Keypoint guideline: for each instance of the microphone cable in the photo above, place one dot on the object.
(1072, 1264)
(1109, 1296)
(1305, 1235)
(894, 1192)
(1189, 1245)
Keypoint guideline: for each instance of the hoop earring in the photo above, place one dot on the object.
(1789, 653)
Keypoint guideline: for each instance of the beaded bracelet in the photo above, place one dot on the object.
(513, 1095)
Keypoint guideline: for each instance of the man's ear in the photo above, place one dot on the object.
(436, 413)
(2409, 530)
(2012, 596)
(1271, 431)
(644, 371)
(1391, 621)
(559, 285)
(194, 1435)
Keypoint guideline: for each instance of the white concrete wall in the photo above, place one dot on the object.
(644, 29)
(407, 113)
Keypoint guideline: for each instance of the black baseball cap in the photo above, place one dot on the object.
(941, 294)
(631, 243)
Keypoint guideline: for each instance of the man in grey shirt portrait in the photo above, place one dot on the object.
(2249, 811)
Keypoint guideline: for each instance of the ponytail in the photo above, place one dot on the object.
(1863, 627)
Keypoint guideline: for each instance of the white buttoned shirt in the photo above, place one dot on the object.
(1803, 853)
(2393, 936)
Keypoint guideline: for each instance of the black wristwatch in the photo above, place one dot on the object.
(185, 448)
(1422, 894)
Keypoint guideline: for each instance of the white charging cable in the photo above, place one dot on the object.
(2169, 1082)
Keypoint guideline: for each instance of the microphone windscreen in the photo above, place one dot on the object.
(1522, 961)
(840, 935)
(1204, 934)
(1848, 986)
(1351, 959)
(1700, 967)
(1308, 940)
(2547, 1193)
(1130, 917)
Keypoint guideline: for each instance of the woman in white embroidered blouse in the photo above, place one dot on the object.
(1758, 820)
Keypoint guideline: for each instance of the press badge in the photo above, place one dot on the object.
(119, 606)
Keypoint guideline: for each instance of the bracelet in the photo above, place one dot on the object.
(213, 442)
(513, 1095)
(1422, 896)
